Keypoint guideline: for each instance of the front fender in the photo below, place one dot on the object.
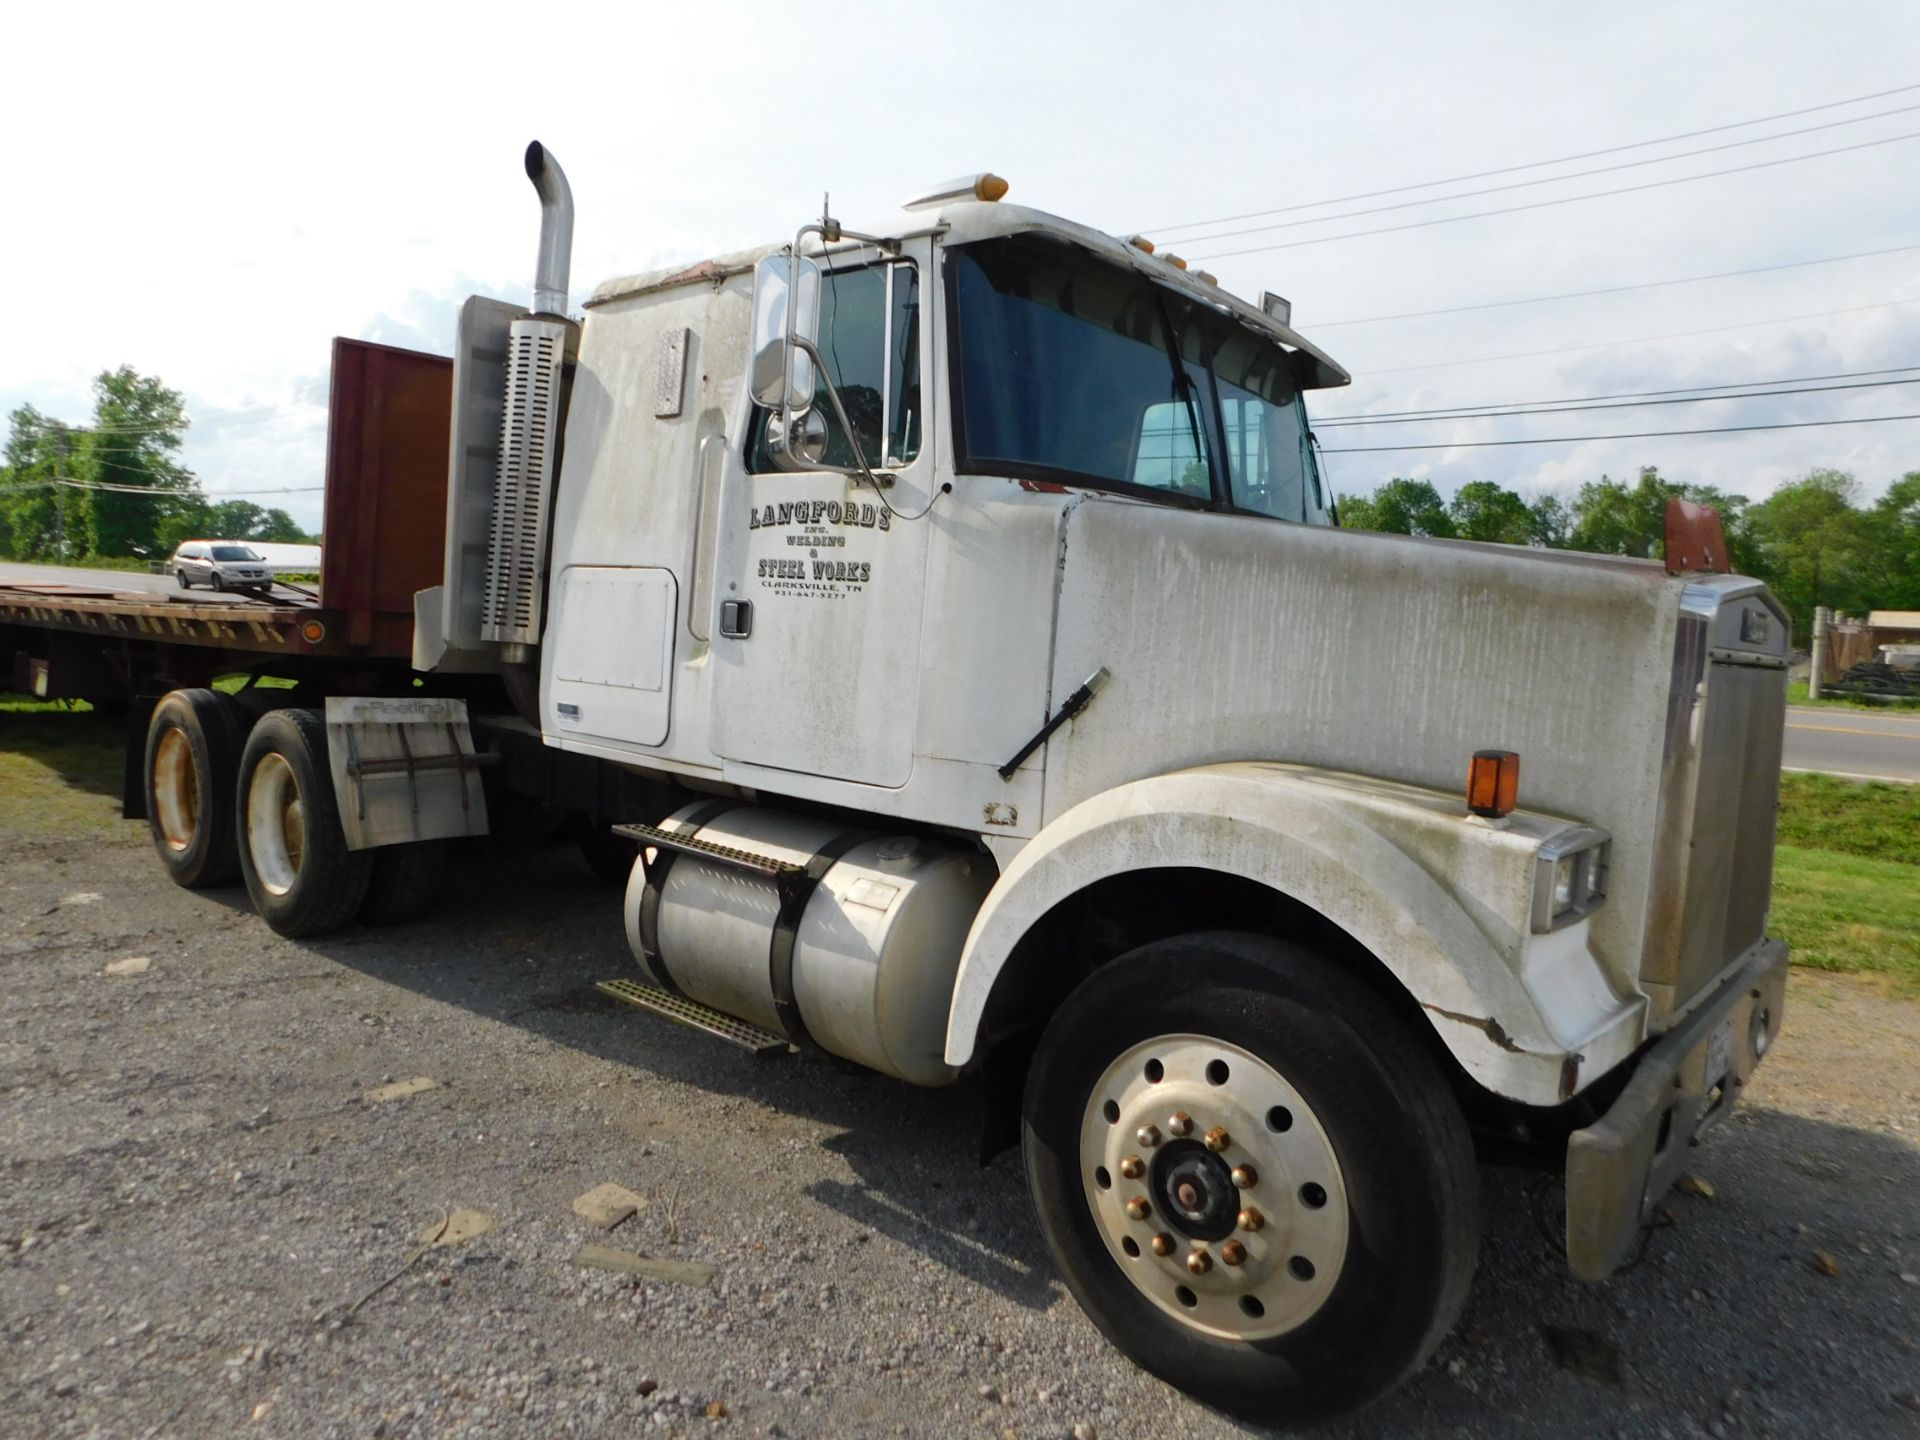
(1441, 898)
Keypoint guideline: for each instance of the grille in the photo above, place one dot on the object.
(1730, 866)
(517, 543)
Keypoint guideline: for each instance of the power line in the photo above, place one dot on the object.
(1618, 289)
(1634, 435)
(1539, 164)
(1560, 200)
(1525, 407)
(1549, 179)
(1637, 340)
(67, 482)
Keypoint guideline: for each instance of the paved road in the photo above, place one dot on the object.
(1863, 744)
(119, 581)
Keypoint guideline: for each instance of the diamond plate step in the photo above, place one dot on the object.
(708, 850)
(700, 1017)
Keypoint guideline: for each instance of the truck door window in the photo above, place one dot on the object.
(870, 340)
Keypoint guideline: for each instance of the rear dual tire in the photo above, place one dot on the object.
(300, 874)
(192, 758)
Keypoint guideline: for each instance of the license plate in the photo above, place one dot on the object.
(1720, 1051)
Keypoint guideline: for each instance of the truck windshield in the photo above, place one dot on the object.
(1079, 371)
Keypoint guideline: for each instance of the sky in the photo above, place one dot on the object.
(217, 191)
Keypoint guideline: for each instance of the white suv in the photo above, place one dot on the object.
(221, 564)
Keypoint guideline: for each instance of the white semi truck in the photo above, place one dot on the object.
(955, 622)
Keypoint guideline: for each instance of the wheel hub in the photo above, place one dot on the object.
(1193, 1188)
(1214, 1187)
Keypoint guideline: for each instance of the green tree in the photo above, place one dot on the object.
(1815, 546)
(1399, 507)
(137, 427)
(1483, 510)
(1894, 533)
(1549, 522)
(37, 514)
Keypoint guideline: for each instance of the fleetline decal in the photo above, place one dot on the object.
(816, 525)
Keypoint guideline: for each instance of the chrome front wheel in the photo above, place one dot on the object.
(1214, 1186)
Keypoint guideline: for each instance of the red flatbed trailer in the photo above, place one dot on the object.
(390, 416)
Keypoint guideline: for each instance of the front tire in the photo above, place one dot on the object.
(192, 759)
(1252, 1175)
(302, 877)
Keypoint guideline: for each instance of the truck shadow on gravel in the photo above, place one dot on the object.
(1731, 1318)
(532, 936)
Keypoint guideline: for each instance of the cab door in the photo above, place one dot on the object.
(821, 576)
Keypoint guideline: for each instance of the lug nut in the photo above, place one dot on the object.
(1148, 1135)
(1132, 1168)
(1180, 1123)
(1233, 1253)
(1218, 1139)
(1137, 1208)
(1244, 1177)
(1161, 1244)
(1251, 1219)
(1199, 1262)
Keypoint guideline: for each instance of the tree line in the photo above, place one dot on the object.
(52, 506)
(1816, 540)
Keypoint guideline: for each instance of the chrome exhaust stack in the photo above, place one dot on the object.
(556, 231)
(539, 346)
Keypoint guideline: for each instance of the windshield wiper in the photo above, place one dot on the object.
(1183, 389)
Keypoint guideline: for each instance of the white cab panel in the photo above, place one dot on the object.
(612, 678)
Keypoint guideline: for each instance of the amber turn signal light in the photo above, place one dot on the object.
(1493, 783)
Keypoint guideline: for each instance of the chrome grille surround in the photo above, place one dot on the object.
(1719, 791)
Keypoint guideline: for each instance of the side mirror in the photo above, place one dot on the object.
(786, 292)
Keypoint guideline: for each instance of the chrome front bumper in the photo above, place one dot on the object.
(1619, 1167)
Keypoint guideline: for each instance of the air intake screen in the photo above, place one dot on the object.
(529, 436)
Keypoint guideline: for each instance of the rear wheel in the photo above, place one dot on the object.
(181, 576)
(405, 882)
(1252, 1175)
(301, 875)
(192, 760)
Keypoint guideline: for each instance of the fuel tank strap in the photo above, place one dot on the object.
(664, 854)
(796, 889)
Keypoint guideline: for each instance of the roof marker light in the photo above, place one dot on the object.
(1141, 243)
(983, 186)
(1175, 261)
(1204, 278)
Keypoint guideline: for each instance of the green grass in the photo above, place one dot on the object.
(60, 768)
(1876, 822)
(1797, 695)
(1846, 912)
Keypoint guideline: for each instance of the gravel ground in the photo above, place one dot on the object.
(207, 1228)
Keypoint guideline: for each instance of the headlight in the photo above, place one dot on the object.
(1569, 877)
(1563, 869)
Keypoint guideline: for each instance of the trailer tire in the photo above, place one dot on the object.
(405, 882)
(192, 763)
(1323, 1268)
(302, 877)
